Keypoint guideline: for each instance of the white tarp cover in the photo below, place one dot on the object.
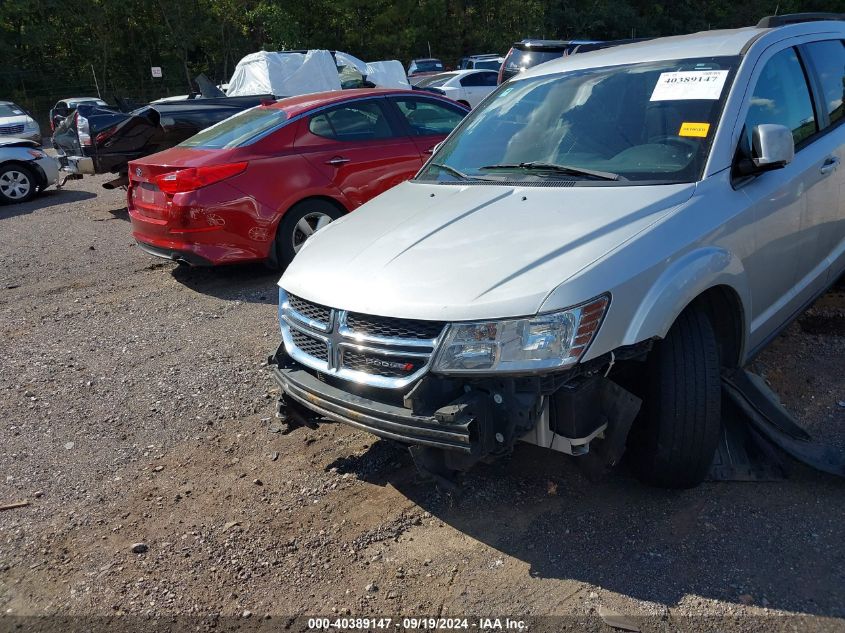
(284, 74)
(387, 74)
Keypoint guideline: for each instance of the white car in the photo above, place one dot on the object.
(25, 170)
(464, 86)
(16, 122)
(586, 258)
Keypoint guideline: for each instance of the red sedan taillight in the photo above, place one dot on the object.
(502, 67)
(194, 178)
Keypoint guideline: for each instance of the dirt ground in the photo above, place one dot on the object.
(136, 408)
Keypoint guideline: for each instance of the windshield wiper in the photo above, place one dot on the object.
(459, 174)
(563, 169)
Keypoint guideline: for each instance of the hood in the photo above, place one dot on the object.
(11, 141)
(451, 253)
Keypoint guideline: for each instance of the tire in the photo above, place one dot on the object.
(17, 183)
(674, 440)
(290, 235)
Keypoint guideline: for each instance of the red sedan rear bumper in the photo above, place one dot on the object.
(202, 232)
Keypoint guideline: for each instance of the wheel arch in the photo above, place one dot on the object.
(710, 278)
(272, 259)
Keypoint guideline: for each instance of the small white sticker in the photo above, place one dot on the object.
(693, 84)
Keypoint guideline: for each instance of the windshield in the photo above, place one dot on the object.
(489, 64)
(10, 109)
(650, 122)
(520, 60)
(74, 104)
(237, 130)
(428, 66)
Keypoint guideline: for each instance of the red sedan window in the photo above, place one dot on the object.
(237, 130)
(358, 121)
(427, 118)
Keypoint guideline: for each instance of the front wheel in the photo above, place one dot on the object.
(673, 442)
(300, 222)
(17, 184)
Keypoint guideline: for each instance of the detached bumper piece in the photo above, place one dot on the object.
(467, 424)
(306, 395)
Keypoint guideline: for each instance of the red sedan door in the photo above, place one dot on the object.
(358, 148)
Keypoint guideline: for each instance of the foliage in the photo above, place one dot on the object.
(54, 48)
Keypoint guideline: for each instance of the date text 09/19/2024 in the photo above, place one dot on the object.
(423, 623)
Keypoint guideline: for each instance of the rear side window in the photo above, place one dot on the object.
(237, 130)
(359, 121)
(428, 118)
(781, 96)
(828, 59)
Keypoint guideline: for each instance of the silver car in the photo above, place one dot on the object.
(25, 170)
(584, 254)
(15, 122)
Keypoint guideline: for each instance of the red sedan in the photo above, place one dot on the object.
(257, 185)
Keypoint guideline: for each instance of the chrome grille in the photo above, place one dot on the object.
(378, 351)
(11, 129)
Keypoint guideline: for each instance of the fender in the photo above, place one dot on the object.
(680, 283)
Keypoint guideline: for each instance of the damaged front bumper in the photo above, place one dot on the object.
(468, 419)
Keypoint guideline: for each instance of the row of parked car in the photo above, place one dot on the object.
(93, 137)
(580, 262)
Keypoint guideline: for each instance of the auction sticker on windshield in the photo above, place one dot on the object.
(699, 130)
(693, 84)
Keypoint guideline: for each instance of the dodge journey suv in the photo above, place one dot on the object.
(581, 258)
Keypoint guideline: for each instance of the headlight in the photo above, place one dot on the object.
(547, 341)
(30, 126)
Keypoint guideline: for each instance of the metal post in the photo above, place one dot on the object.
(99, 96)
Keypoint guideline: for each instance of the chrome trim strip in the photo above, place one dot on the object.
(291, 313)
(347, 332)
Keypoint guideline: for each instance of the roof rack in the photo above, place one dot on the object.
(773, 21)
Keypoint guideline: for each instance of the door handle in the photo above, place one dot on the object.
(337, 160)
(830, 163)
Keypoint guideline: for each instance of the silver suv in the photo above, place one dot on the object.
(584, 254)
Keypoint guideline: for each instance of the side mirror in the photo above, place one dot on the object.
(773, 147)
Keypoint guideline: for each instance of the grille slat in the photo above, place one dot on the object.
(390, 327)
(311, 310)
(11, 129)
(311, 346)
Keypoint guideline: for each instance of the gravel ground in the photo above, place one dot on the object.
(136, 412)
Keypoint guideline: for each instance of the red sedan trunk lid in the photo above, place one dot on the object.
(144, 195)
